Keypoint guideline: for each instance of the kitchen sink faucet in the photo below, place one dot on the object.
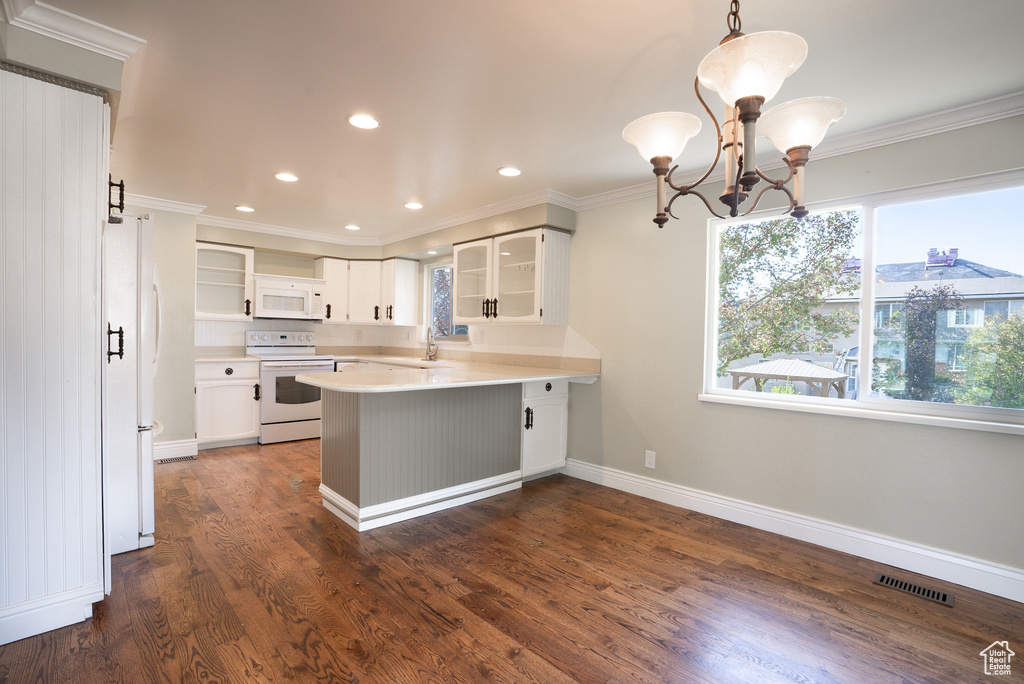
(431, 347)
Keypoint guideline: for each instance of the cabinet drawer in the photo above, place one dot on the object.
(549, 388)
(219, 370)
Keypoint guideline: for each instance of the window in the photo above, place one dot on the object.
(965, 318)
(887, 313)
(439, 304)
(996, 308)
(941, 293)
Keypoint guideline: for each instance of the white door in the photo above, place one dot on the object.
(471, 288)
(398, 291)
(545, 434)
(53, 151)
(128, 378)
(334, 273)
(223, 282)
(364, 305)
(517, 277)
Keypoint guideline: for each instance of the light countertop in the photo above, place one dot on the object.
(444, 374)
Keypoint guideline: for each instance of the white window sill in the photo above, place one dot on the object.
(854, 409)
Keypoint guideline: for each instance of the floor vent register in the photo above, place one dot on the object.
(915, 589)
(175, 459)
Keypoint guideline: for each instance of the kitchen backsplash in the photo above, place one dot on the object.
(520, 340)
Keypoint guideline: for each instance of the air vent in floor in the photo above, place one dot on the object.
(915, 589)
(176, 459)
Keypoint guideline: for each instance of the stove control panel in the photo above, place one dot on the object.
(278, 338)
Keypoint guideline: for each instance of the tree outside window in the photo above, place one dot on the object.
(440, 318)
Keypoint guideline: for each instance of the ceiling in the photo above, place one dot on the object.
(226, 93)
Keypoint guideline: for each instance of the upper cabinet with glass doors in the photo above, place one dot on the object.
(516, 278)
(223, 282)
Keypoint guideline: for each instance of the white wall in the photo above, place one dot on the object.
(640, 300)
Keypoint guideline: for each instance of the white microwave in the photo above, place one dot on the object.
(286, 297)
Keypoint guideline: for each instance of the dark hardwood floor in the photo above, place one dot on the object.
(252, 580)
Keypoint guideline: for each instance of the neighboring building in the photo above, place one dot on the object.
(986, 292)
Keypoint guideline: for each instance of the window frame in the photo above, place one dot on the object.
(985, 418)
(428, 299)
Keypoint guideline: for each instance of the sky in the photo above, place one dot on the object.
(987, 227)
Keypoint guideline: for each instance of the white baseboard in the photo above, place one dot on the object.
(179, 449)
(22, 620)
(991, 578)
(370, 517)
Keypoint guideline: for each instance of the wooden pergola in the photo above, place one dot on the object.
(821, 379)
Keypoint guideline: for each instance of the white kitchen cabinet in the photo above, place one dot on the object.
(382, 292)
(227, 401)
(398, 291)
(53, 200)
(516, 278)
(334, 273)
(545, 431)
(364, 292)
(223, 282)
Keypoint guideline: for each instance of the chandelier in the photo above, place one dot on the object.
(746, 71)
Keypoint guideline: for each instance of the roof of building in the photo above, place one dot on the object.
(789, 368)
(915, 271)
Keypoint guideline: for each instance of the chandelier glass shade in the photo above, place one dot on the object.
(661, 135)
(746, 71)
(752, 65)
(800, 123)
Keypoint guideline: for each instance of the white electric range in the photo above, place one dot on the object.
(289, 410)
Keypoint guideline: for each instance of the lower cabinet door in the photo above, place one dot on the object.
(226, 411)
(545, 434)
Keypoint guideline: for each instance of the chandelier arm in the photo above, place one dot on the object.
(777, 186)
(685, 190)
(718, 134)
(777, 182)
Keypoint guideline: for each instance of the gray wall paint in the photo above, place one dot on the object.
(638, 295)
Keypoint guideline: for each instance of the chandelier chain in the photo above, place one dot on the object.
(734, 17)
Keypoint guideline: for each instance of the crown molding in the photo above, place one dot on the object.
(514, 204)
(283, 231)
(156, 203)
(954, 119)
(911, 129)
(53, 22)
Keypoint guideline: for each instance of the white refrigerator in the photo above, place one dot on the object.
(130, 348)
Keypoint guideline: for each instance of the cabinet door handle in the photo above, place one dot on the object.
(120, 342)
(376, 313)
(529, 418)
(494, 308)
(391, 312)
(487, 308)
(256, 394)
(248, 309)
(328, 312)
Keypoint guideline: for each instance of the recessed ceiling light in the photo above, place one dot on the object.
(431, 252)
(363, 121)
(504, 253)
(242, 207)
(413, 205)
(509, 171)
(286, 177)
(351, 226)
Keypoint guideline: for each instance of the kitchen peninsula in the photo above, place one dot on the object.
(397, 444)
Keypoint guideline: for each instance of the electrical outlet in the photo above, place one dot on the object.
(408, 336)
(649, 459)
(359, 334)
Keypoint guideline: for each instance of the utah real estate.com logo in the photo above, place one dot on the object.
(997, 658)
